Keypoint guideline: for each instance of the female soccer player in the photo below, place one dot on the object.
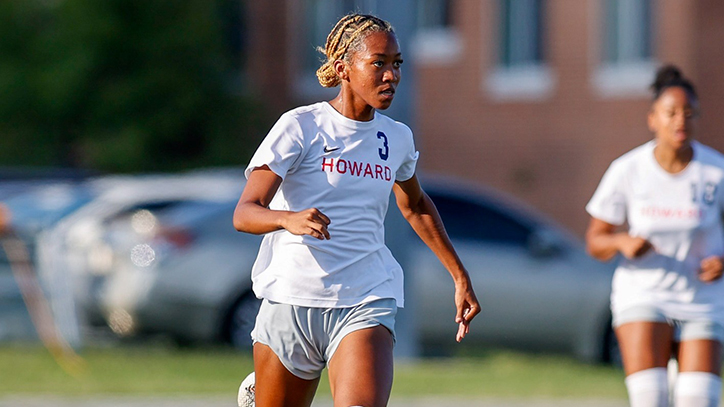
(668, 296)
(318, 187)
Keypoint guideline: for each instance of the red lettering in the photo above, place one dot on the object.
(368, 170)
(355, 168)
(676, 213)
(341, 169)
(330, 164)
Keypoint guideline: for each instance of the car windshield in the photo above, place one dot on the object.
(469, 220)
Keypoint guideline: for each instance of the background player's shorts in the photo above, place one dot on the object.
(684, 330)
(305, 338)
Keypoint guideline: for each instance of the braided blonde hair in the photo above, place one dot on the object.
(345, 39)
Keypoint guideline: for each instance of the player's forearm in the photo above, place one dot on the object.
(603, 246)
(252, 218)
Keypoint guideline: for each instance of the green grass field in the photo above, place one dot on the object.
(158, 370)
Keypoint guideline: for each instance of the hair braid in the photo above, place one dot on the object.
(345, 39)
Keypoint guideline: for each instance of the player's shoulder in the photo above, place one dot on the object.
(305, 113)
(708, 155)
(633, 157)
(301, 120)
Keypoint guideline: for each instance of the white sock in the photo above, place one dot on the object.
(672, 370)
(648, 388)
(697, 389)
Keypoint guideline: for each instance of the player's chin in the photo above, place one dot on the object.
(382, 105)
(384, 101)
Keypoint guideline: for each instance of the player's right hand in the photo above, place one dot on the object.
(711, 269)
(310, 222)
(632, 247)
(467, 306)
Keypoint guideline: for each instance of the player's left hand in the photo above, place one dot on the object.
(467, 307)
(711, 269)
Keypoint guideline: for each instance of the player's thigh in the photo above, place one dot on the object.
(361, 369)
(277, 387)
(644, 345)
(700, 355)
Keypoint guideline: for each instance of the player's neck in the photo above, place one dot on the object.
(352, 107)
(673, 160)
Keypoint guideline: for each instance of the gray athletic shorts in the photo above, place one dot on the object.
(305, 338)
(683, 330)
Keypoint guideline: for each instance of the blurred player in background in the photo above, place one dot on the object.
(318, 188)
(668, 295)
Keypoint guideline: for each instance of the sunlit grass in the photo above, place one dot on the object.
(158, 370)
(509, 374)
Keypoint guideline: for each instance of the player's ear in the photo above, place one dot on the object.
(651, 120)
(340, 67)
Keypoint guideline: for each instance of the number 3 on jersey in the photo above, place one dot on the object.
(385, 149)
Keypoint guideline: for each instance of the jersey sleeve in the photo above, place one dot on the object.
(281, 149)
(609, 201)
(407, 168)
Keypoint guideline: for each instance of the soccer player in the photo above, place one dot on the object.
(318, 188)
(668, 295)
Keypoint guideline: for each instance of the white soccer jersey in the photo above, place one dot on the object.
(680, 214)
(346, 169)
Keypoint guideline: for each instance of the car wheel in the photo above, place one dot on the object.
(241, 321)
(611, 350)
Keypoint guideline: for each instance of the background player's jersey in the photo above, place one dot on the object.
(346, 169)
(680, 214)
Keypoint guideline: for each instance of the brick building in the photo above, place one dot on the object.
(543, 121)
(533, 97)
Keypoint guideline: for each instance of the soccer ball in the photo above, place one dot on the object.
(246, 391)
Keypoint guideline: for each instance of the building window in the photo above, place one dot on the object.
(627, 31)
(627, 48)
(433, 14)
(436, 42)
(521, 71)
(521, 32)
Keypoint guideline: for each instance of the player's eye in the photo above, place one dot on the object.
(378, 64)
(397, 63)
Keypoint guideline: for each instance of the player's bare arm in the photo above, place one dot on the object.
(419, 210)
(603, 242)
(252, 213)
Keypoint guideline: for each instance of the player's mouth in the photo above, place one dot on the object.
(681, 134)
(388, 93)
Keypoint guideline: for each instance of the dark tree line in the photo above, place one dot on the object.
(124, 85)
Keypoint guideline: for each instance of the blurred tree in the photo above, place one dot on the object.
(124, 85)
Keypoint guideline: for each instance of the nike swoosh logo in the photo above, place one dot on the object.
(329, 150)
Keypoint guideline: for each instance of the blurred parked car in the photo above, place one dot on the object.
(63, 224)
(31, 200)
(538, 288)
(195, 286)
